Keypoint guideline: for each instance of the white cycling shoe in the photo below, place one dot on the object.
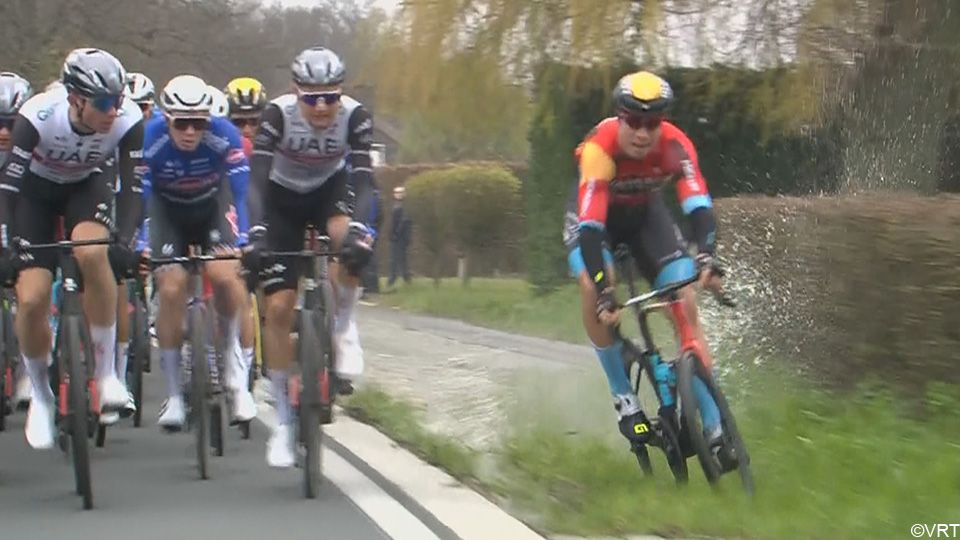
(172, 414)
(113, 397)
(280, 452)
(349, 352)
(244, 406)
(41, 428)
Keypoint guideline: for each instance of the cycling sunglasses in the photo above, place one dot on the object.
(312, 98)
(198, 124)
(648, 122)
(6, 122)
(105, 103)
(243, 122)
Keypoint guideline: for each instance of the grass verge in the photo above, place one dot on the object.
(401, 422)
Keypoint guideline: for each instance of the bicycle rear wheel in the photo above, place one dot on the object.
(199, 386)
(139, 352)
(309, 353)
(689, 367)
(6, 369)
(77, 415)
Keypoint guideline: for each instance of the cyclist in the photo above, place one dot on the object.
(141, 91)
(624, 163)
(61, 142)
(299, 177)
(246, 100)
(14, 92)
(189, 154)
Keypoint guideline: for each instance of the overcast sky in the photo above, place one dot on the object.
(388, 5)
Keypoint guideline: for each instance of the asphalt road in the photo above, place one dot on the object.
(146, 486)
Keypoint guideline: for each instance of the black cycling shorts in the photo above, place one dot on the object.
(41, 204)
(174, 227)
(648, 230)
(288, 213)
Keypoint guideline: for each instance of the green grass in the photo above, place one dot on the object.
(506, 304)
(827, 465)
(402, 422)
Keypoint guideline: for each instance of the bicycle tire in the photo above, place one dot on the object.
(329, 385)
(199, 404)
(255, 369)
(78, 411)
(217, 428)
(732, 434)
(139, 351)
(6, 371)
(687, 369)
(308, 347)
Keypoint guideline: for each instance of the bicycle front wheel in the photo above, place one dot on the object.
(309, 352)
(199, 377)
(78, 411)
(690, 368)
(139, 352)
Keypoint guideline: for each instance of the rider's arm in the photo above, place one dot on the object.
(130, 198)
(597, 169)
(238, 169)
(24, 139)
(360, 137)
(695, 198)
(264, 145)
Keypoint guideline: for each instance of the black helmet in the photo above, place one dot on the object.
(318, 66)
(642, 93)
(93, 72)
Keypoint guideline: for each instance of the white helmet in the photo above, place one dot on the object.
(140, 88)
(186, 96)
(14, 91)
(220, 105)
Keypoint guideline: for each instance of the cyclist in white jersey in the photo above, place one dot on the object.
(61, 141)
(311, 165)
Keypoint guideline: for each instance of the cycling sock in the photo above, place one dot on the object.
(122, 348)
(611, 358)
(247, 359)
(104, 349)
(278, 381)
(346, 300)
(39, 376)
(709, 413)
(170, 360)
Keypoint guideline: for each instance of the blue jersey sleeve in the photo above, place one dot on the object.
(238, 169)
(152, 146)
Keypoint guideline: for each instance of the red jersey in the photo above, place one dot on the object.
(608, 177)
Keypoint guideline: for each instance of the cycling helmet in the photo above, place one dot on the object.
(246, 95)
(318, 66)
(93, 72)
(642, 93)
(186, 96)
(140, 88)
(14, 91)
(219, 106)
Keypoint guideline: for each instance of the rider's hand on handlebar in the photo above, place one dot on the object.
(711, 276)
(608, 309)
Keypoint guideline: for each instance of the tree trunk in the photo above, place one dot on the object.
(462, 271)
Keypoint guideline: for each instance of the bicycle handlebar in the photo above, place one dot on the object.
(62, 244)
(192, 258)
(722, 297)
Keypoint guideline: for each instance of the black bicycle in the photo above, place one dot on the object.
(138, 353)
(206, 395)
(672, 383)
(312, 389)
(72, 370)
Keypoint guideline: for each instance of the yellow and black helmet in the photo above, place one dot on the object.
(245, 95)
(642, 93)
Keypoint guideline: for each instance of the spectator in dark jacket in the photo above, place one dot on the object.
(400, 232)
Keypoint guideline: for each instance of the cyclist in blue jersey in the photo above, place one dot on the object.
(189, 155)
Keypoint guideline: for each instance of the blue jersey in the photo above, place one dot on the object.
(189, 178)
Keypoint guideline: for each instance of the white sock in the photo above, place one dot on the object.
(39, 376)
(104, 349)
(248, 357)
(347, 298)
(278, 382)
(122, 349)
(170, 360)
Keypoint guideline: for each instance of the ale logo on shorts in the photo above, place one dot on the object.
(167, 250)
